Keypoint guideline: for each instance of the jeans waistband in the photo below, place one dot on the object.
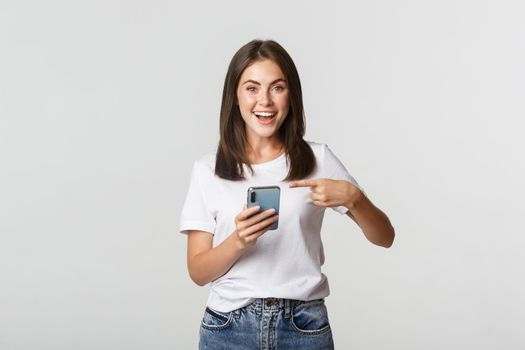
(271, 303)
(262, 305)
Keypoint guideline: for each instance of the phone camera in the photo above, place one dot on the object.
(252, 197)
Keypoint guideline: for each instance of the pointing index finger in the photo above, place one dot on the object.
(302, 183)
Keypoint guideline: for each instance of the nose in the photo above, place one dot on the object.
(265, 99)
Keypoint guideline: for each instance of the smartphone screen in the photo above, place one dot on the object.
(266, 197)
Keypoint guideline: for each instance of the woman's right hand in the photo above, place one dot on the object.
(250, 226)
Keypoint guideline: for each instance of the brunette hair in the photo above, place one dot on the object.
(231, 151)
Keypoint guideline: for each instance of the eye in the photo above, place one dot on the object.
(251, 89)
(279, 88)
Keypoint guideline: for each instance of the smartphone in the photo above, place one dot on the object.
(266, 197)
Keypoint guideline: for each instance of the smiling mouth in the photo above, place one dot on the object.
(264, 115)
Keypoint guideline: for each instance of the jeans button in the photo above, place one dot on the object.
(270, 302)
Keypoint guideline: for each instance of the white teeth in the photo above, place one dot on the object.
(264, 114)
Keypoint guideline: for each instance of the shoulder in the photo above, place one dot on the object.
(325, 157)
(205, 165)
(318, 148)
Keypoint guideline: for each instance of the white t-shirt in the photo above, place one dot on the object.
(284, 263)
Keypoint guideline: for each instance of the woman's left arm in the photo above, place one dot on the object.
(332, 193)
(373, 222)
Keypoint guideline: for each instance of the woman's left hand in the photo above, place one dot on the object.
(330, 193)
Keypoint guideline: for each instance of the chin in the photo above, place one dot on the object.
(266, 134)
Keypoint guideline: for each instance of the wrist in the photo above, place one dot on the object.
(237, 243)
(355, 196)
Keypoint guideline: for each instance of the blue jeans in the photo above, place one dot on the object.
(268, 324)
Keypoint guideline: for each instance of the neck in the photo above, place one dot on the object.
(263, 149)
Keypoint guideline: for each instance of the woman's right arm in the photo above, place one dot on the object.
(207, 263)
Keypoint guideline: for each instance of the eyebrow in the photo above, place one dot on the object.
(257, 83)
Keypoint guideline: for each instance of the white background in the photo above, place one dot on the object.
(104, 105)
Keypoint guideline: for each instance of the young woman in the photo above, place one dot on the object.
(267, 288)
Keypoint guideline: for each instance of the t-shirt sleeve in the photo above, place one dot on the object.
(196, 214)
(334, 169)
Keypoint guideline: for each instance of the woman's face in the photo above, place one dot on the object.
(262, 95)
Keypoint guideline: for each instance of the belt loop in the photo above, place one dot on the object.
(287, 308)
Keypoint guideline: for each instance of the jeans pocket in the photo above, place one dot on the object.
(311, 317)
(216, 320)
